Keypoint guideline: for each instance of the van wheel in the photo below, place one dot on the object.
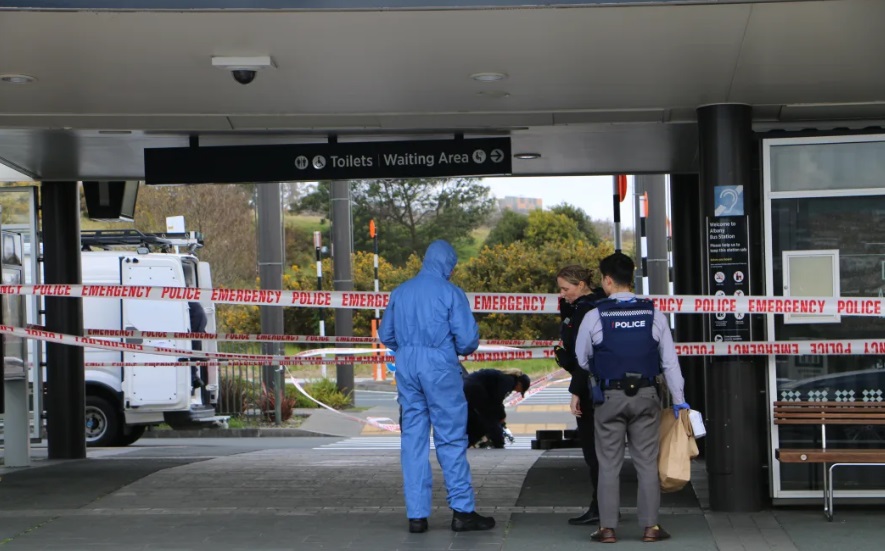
(102, 422)
(131, 434)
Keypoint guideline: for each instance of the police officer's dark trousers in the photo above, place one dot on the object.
(639, 418)
(586, 434)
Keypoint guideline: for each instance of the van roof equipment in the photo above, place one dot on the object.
(163, 242)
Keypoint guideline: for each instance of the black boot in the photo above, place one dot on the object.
(465, 522)
(590, 517)
(417, 525)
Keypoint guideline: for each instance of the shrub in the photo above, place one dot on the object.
(324, 390)
(299, 399)
(267, 402)
(235, 394)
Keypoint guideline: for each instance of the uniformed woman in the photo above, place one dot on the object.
(576, 298)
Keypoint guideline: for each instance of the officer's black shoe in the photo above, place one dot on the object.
(417, 525)
(465, 522)
(590, 517)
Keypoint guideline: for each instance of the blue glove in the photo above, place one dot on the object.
(677, 407)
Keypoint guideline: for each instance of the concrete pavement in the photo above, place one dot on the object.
(225, 494)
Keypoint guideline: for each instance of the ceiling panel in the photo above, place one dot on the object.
(594, 89)
(813, 52)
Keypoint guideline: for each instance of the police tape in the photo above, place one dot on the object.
(516, 303)
(310, 357)
(840, 347)
(264, 359)
(537, 386)
(263, 337)
(390, 427)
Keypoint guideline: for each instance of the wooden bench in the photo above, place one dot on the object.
(830, 413)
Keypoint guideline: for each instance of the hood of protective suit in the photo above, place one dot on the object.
(440, 259)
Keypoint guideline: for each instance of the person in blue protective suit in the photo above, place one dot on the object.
(428, 324)
(625, 343)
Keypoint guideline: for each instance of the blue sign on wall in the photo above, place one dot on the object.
(728, 200)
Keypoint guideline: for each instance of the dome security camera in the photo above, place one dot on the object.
(243, 76)
(243, 69)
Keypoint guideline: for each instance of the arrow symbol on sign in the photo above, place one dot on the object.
(497, 155)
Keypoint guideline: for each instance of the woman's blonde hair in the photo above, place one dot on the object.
(575, 274)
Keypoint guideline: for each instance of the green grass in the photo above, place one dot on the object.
(479, 237)
(306, 222)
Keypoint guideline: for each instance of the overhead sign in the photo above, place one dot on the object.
(329, 161)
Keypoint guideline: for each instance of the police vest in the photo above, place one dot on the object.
(627, 344)
(572, 315)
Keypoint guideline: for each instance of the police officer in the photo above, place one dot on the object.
(428, 324)
(625, 343)
(576, 298)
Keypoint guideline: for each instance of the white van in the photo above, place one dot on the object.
(121, 402)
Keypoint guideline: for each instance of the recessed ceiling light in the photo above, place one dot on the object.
(488, 77)
(17, 79)
(496, 94)
(527, 156)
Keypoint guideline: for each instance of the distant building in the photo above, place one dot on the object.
(522, 205)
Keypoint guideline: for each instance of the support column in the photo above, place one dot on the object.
(342, 272)
(735, 385)
(270, 273)
(688, 277)
(655, 185)
(65, 376)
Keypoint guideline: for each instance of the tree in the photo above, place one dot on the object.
(585, 224)
(221, 212)
(536, 229)
(509, 229)
(304, 321)
(521, 268)
(409, 214)
(16, 206)
(546, 227)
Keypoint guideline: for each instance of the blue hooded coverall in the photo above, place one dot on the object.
(428, 323)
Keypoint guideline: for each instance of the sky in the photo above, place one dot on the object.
(593, 194)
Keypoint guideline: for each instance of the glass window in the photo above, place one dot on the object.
(15, 205)
(828, 166)
(852, 225)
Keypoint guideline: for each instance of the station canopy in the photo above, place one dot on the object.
(593, 87)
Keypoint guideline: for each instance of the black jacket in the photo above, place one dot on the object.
(198, 322)
(485, 391)
(572, 315)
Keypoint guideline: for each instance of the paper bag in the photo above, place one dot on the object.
(678, 447)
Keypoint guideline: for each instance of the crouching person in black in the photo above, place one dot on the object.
(485, 391)
(576, 299)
